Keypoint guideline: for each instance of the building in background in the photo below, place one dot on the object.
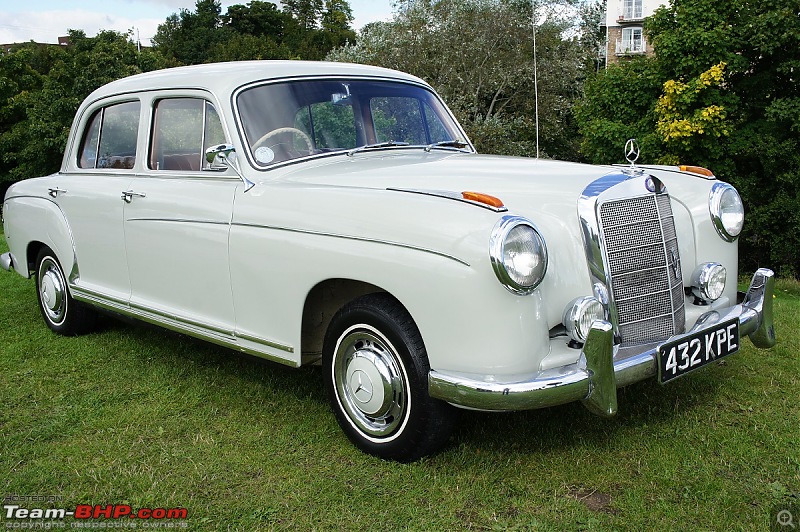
(623, 22)
(7, 48)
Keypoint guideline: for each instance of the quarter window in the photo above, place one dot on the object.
(183, 129)
(110, 137)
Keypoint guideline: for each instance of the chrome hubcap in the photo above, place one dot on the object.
(52, 290)
(371, 384)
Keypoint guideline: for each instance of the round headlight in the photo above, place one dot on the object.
(518, 254)
(727, 211)
(708, 281)
(579, 316)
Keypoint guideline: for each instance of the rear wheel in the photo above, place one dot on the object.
(61, 313)
(376, 370)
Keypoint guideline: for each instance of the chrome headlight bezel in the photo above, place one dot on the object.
(497, 254)
(724, 196)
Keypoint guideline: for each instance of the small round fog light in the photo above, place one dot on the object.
(708, 281)
(579, 316)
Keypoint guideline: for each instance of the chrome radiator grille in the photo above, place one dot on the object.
(644, 267)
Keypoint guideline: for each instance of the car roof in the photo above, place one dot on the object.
(224, 78)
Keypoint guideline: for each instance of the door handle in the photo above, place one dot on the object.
(128, 195)
(53, 192)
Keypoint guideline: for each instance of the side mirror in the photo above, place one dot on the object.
(223, 156)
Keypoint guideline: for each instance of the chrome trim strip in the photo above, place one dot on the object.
(181, 319)
(177, 220)
(449, 195)
(215, 335)
(603, 367)
(351, 237)
(92, 296)
(263, 341)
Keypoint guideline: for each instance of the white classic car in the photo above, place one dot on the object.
(338, 214)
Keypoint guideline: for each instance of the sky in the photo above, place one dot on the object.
(45, 20)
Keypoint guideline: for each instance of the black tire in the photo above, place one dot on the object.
(61, 313)
(374, 346)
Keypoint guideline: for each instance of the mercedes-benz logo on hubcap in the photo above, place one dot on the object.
(632, 151)
(362, 388)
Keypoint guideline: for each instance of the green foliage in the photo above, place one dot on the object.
(478, 54)
(41, 88)
(744, 125)
(618, 105)
(304, 29)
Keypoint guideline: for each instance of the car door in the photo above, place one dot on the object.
(177, 219)
(89, 193)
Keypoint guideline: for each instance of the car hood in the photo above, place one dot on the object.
(521, 183)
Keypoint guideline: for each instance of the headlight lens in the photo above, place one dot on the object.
(518, 254)
(708, 281)
(579, 316)
(727, 211)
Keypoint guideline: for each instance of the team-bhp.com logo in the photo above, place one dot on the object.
(96, 511)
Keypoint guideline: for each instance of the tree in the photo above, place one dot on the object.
(478, 54)
(304, 29)
(41, 88)
(742, 121)
(306, 12)
(189, 36)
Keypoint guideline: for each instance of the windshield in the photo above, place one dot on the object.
(289, 120)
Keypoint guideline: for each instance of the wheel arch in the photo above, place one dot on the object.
(321, 304)
(44, 226)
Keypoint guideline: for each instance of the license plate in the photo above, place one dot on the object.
(679, 357)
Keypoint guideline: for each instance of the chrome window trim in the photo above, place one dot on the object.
(714, 199)
(496, 245)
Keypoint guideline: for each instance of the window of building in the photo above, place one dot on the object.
(632, 40)
(632, 9)
(183, 129)
(110, 137)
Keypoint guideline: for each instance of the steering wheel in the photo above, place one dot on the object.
(305, 138)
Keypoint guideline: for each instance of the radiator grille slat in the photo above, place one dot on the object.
(641, 248)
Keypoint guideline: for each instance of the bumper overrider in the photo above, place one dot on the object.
(603, 367)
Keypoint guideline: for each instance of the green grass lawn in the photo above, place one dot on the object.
(133, 415)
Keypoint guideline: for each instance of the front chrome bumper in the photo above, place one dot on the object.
(602, 366)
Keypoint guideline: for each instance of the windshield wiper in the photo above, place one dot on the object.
(446, 144)
(388, 144)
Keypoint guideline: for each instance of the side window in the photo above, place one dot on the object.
(183, 129)
(331, 126)
(110, 137)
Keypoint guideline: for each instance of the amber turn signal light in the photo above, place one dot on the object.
(486, 199)
(696, 170)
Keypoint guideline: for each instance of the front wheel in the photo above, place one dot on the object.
(376, 370)
(61, 313)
